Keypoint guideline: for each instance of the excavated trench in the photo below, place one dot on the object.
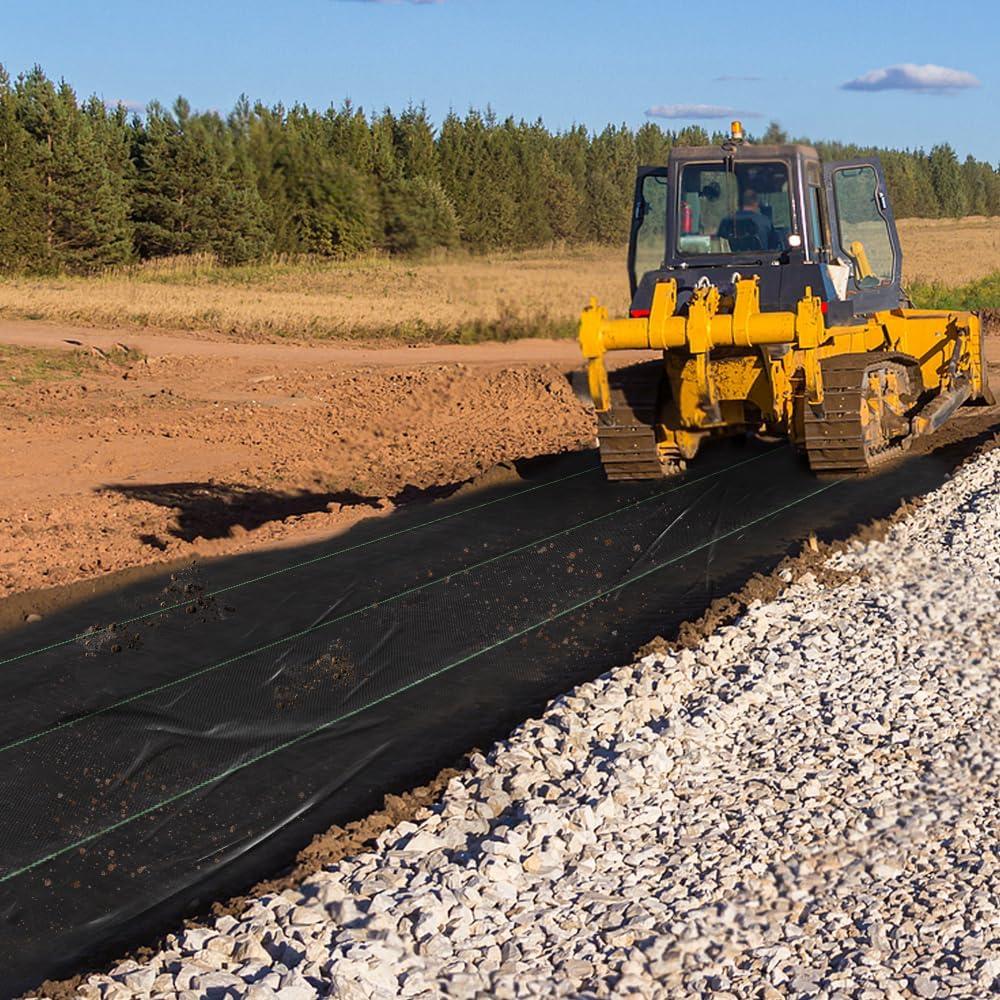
(238, 708)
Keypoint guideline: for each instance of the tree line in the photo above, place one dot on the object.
(84, 186)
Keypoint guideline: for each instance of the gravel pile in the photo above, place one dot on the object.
(806, 805)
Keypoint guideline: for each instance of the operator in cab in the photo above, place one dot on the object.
(748, 228)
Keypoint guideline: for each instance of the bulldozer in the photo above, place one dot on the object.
(770, 284)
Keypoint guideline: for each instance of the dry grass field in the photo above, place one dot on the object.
(948, 251)
(453, 298)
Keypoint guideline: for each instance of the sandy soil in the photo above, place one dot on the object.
(207, 447)
(175, 456)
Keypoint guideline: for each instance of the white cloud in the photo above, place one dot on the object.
(699, 112)
(928, 78)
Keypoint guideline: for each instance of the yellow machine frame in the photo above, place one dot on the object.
(725, 353)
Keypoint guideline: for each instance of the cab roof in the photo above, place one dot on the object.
(744, 151)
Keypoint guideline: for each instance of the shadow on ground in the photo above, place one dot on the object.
(212, 510)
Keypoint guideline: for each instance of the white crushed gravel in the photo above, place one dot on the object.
(807, 805)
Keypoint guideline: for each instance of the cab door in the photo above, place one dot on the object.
(863, 233)
(647, 247)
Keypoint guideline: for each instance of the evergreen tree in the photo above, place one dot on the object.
(992, 189)
(903, 181)
(241, 229)
(652, 145)
(22, 192)
(572, 156)
(926, 204)
(418, 216)
(174, 185)
(195, 190)
(975, 182)
(350, 137)
(106, 235)
(452, 159)
(329, 208)
(385, 164)
(78, 160)
(476, 163)
(693, 135)
(564, 201)
(774, 134)
(946, 176)
(529, 184)
(413, 139)
(610, 180)
(83, 187)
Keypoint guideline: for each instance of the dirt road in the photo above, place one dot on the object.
(207, 345)
(207, 447)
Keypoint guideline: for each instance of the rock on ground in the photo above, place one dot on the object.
(806, 805)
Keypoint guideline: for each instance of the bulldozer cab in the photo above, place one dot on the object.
(771, 210)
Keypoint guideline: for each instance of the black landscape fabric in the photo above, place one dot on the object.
(150, 767)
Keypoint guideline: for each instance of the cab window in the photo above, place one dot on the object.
(864, 230)
(651, 225)
(745, 209)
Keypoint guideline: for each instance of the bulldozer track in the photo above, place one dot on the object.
(835, 441)
(627, 433)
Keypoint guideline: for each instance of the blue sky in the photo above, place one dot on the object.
(589, 61)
